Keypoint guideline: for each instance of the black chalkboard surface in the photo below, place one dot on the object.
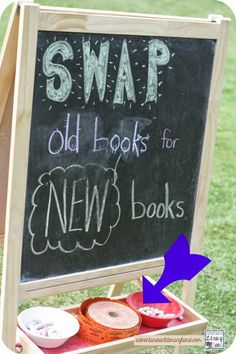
(115, 148)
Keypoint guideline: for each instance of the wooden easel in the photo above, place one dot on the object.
(33, 18)
(7, 75)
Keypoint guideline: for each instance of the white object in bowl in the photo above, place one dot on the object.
(64, 323)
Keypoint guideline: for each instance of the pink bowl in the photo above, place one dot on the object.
(135, 300)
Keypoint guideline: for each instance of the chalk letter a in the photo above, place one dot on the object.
(124, 78)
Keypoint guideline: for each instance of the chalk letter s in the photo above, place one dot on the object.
(50, 69)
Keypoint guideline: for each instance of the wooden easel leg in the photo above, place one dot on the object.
(188, 296)
(181, 350)
(138, 282)
(7, 74)
(23, 95)
(5, 138)
(115, 289)
(8, 58)
(189, 291)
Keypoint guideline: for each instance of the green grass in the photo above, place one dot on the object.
(216, 286)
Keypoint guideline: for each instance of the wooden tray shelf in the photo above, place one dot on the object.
(193, 323)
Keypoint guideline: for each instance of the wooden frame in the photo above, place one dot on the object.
(32, 19)
(76, 22)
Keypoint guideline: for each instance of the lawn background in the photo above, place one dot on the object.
(216, 296)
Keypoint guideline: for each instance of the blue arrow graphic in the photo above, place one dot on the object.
(179, 265)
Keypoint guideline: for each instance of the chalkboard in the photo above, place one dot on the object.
(115, 148)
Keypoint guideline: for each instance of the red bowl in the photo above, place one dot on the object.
(135, 300)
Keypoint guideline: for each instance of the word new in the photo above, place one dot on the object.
(96, 67)
(84, 206)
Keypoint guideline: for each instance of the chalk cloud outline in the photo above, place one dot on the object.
(78, 245)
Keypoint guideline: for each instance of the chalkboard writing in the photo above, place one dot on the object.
(115, 148)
